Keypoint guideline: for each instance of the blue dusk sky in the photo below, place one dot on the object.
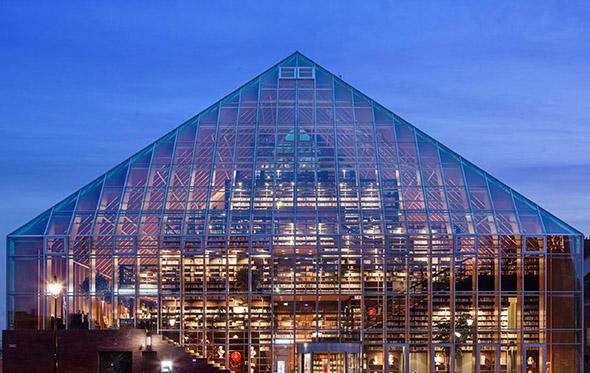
(84, 86)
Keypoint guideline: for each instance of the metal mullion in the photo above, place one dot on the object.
(498, 298)
(426, 208)
(228, 217)
(227, 301)
(170, 168)
(206, 213)
(159, 325)
(430, 240)
(69, 230)
(145, 188)
(430, 298)
(250, 224)
(360, 214)
(137, 279)
(160, 238)
(115, 256)
(254, 163)
(183, 237)
(383, 225)
(317, 220)
(497, 273)
(546, 258)
(454, 237)
(406, 235)
(67, 251)
(44, 253)
(543, 227)
(8, 293)
(516, 213)
(520, 291)
(407, 294)
(492, 204)
(446, 192)
(295, 203)
(183, 232)
(45, 291)
(579, 243)
(181, 290)
(190, 177)
(211, 171)
(475, 236)
(135, 238)
(475, 301)
(273, 216)
(468, 191)
(231, 186)
(45, 231)
(338, 200)
(104, 179)
(452, 254)
(204, 309)
(399, 183)
(65, 304)
(91, 279)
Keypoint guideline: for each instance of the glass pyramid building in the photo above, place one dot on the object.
(295, 226)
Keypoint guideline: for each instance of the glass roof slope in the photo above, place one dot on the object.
(295, 142)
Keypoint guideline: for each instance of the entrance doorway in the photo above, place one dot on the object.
(329, 357)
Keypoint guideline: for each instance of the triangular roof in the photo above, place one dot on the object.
(435, 189)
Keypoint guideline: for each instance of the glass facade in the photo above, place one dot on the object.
(296, 226)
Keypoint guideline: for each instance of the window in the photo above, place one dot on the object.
(288, 72)
(306, 73)
(297, 72)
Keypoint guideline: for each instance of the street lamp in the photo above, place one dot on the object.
(54, 288)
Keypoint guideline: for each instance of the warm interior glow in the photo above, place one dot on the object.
(54, 288)
(359, 231)
(166, 366)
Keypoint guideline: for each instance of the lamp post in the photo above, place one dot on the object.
(54, 288)
(148, 340)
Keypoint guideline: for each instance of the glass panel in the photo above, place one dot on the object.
(464, 361)
(418, 358)
(25, 275)
(442, 359)
(299, 211)
(35, 226)
(487, 359)
(396, 359)
(534, 361)
(554, 225)
(23, 312)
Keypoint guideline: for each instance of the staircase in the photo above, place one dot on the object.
(186, 359)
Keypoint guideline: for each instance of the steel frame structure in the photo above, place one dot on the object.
(298, 210)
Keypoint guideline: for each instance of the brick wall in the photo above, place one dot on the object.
(78, 351)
